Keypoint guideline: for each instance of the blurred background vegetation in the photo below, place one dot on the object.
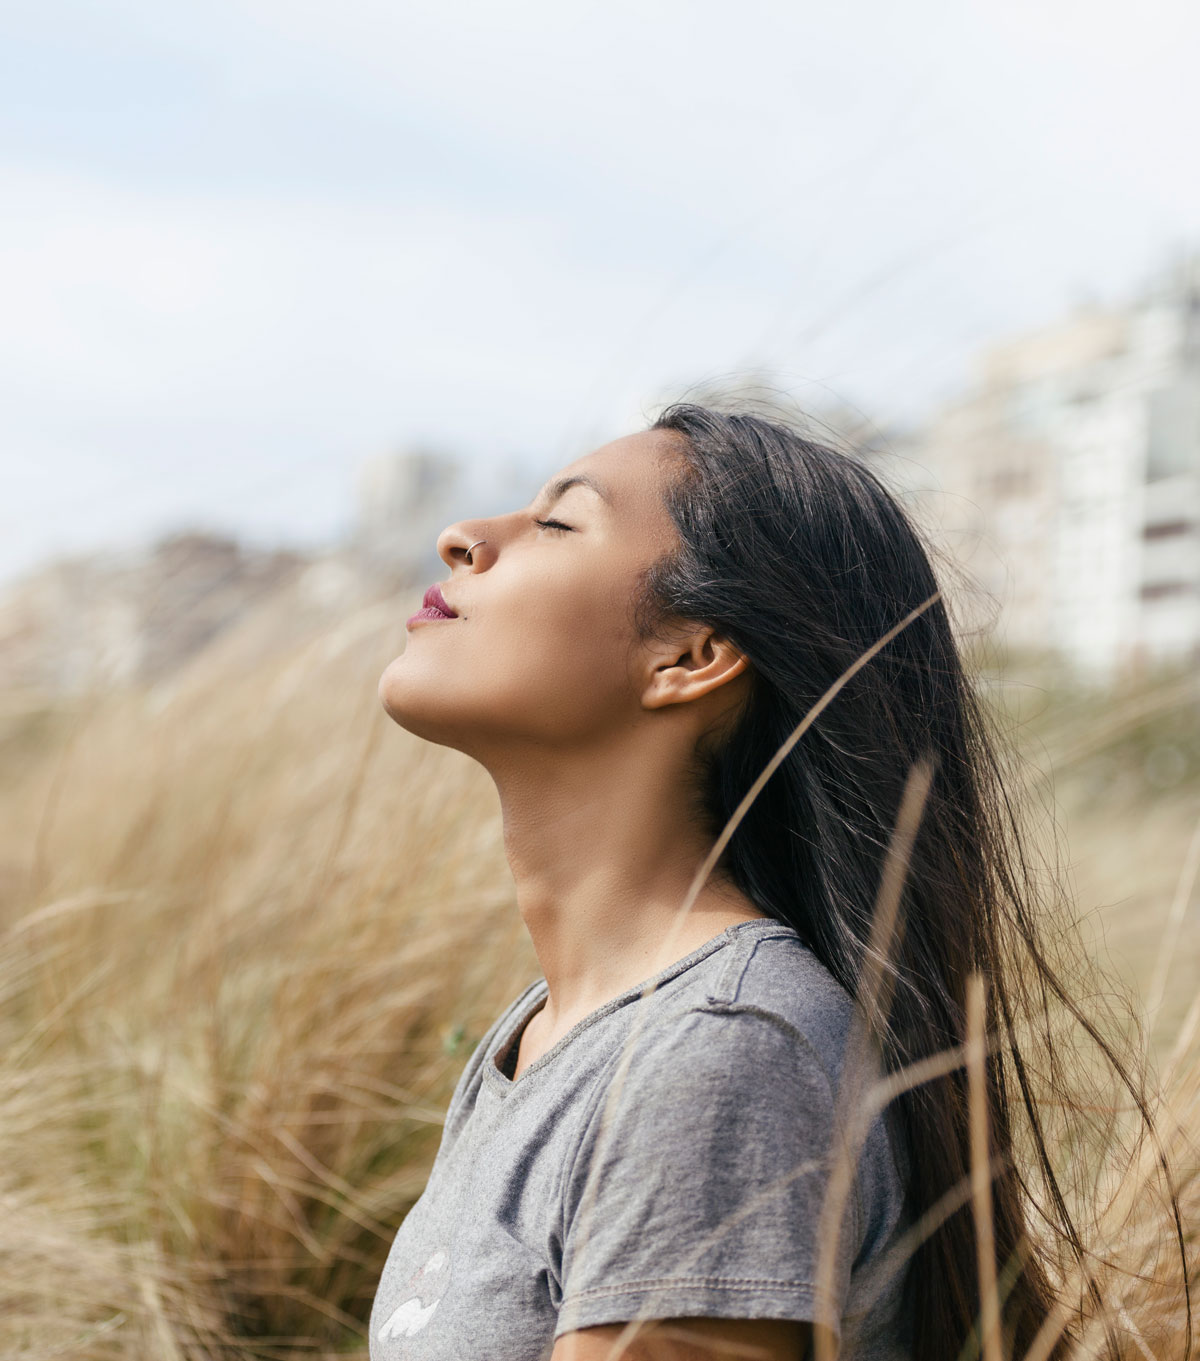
(252, 929)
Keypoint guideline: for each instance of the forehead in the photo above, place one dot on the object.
(629, 472)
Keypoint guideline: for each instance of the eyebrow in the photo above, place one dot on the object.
(556, 488)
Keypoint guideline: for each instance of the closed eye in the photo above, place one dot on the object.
(551, 524)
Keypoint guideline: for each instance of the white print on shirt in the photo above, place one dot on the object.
(428, 1284)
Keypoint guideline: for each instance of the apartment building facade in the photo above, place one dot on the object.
(1067, 482)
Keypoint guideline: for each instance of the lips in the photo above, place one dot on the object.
(434, 606)
(434, 599)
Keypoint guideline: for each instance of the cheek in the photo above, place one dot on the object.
(556, 672)
(566, 666)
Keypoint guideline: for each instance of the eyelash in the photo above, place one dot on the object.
(551, 524)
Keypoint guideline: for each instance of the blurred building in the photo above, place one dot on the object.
(1068, 482)
(404, 502)
(140, 614)
(120, 617)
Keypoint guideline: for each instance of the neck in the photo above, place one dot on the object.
(604, 851)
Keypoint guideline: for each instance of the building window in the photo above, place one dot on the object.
(1158, 590)
(1173, 430)
(1165, 529)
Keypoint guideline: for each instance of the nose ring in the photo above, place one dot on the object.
(474, 545)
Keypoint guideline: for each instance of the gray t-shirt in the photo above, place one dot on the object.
(685, 1181)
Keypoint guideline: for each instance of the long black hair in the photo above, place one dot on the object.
(803, 558)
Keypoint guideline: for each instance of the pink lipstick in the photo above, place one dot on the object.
(433, 607)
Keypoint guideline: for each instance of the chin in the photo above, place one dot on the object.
(411, 705)
(395, 693)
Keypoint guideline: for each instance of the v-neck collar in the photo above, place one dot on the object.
(537, 993)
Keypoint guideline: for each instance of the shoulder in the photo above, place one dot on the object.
(700, 1182)
(749, 1057)
(762, 1011)
(774, 995)
(779, 980)
(772, 967)
(712, 1076)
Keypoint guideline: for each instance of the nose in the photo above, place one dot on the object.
(459, 543)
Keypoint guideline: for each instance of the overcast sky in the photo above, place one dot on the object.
(246, 244)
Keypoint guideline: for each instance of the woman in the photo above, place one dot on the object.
(671, 1144)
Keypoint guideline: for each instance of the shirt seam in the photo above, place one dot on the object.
(688, 1282)
(598, 1295)
(728, 983)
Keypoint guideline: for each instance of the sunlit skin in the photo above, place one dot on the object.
(587, 734)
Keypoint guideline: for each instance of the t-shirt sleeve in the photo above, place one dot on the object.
(696, 1191)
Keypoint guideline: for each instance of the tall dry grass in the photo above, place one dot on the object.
(251, 931)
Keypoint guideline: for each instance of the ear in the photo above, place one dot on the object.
(690, 667)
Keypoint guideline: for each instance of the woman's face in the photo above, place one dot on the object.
(542, 650)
